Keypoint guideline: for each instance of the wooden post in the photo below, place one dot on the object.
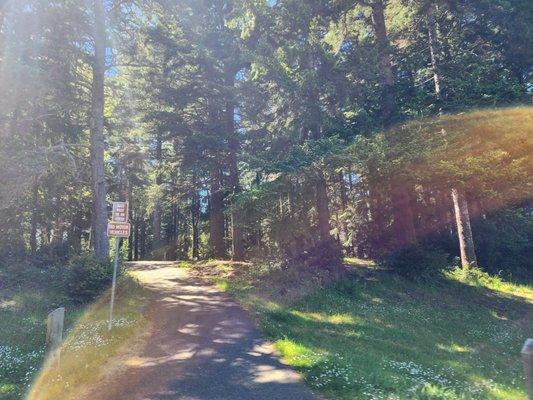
(54, 334)
(527, 359)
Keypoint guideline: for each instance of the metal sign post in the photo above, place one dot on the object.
(118, 228)
(114, 284)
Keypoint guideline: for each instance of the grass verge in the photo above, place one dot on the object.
(23, 312)
(87, 347)
(374, 335)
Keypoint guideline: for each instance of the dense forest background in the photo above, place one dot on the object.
(292, 131)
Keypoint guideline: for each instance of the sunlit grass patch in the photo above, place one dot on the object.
(89, 345)
(359, 262)
(479, 278)
(454, 348)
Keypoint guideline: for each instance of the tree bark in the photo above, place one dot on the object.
(343, 191)
(97, 144)
(33, 222)
(175, 222)
(401, 205)
(59, 231)
(341, 222)
(444, 213)
(322, 207)
(404, 228)
(216, 215)
(136, 238)
(434, 49)
(234, 145)
(378, 187)
(129, 198)
(464, 231)
(156, 216)
(321, 192)
(195, 213)
(388, 92)
(142, 238)
(75, 231)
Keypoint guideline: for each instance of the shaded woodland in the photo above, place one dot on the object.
(293, 131)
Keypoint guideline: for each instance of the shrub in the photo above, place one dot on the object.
(417, 262)
(86, 276)
(325, 254)
(504, 243)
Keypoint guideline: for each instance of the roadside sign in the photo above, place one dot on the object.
(120, 211)
(118, 229)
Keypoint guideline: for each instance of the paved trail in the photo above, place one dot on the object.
(202, 346)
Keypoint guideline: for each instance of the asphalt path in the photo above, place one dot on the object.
(201, 345)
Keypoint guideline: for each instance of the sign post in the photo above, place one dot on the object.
(118, 228)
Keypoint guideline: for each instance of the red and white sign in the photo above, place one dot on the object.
(120, 211)
(118, 229)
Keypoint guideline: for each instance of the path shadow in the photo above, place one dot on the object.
(202, 346)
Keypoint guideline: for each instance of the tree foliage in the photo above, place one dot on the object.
(294, 130)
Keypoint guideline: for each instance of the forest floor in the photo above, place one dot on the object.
(374, 335)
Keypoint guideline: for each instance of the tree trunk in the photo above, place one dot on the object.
(403, 227)
(434, 49)
(343, 191)
(156, 216)
(176, 229)
(75, 231)
(97, 144)
(321, 189)
(322, 207)
(45, 236)
(142, 238)
(443, 213)
(59, 231)
(236, 226)
(136, 238)
(464, 231)
(216, 216)
(129, 198)
(378, 188)
(195, 213)
(341, 220)
(401, 205)
(388, 92)
(33, 223)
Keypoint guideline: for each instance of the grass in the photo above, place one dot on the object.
(23, 312)
(88, 345)
(374, 335)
